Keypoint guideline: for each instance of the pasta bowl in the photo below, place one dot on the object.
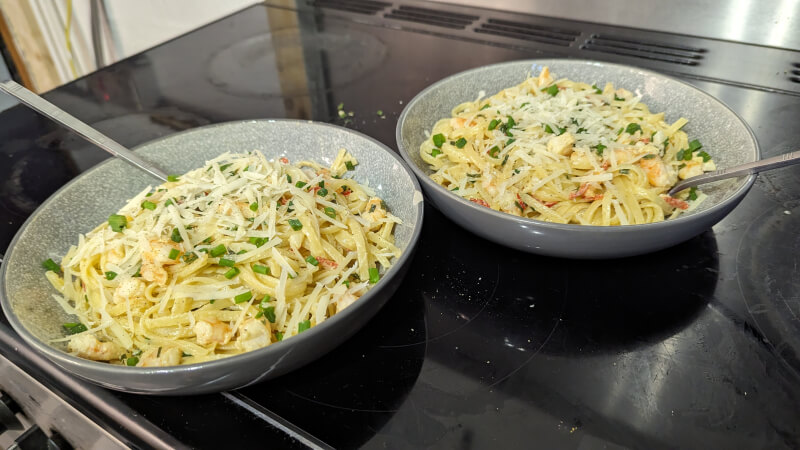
(723, 133)
(27, 297)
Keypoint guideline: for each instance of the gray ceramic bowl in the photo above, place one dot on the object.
(88, 200)
(726, 136)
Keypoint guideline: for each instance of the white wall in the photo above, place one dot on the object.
(142, 24)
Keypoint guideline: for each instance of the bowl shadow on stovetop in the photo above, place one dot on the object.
(646, 299)
(580, 307)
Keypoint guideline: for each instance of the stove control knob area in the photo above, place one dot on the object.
(8, 413)
(34, 438)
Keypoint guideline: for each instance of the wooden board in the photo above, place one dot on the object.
(25, 42)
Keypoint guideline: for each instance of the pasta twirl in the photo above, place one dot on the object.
(566, 152)
(225, 259)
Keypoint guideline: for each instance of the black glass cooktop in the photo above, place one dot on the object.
(482, 346)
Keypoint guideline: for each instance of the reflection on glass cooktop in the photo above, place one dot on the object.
(482, 346)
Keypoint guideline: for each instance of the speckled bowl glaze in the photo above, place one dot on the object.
(89, 199)
(723, 133)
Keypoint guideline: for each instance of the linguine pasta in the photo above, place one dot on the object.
(225, 259)
(566, 152)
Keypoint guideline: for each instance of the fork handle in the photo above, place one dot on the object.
(786, 159)
(66, 120)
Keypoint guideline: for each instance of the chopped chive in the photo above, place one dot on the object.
(695, 145)
(241, 252)
(435, 152)
(158, 354)
(207, 240)
(505, 160)
(232, 272)
(687, 155)
(185, 355)
(547, 129)
(624, 171)
(618, 99)
(379, 112)
(148, 205)
(224, 166)
(649, 156)
(257, 241)
(322, 192)
(374, 275)
(632, 128)
(117, 222)
(243, 297)
(138, 273)
(269, 313)
(51, 265)
(189, 257)
(599, 148)
(303, 326)
(173, 254)
(254, 206)
(176, 236)
(494, 151)
(168, 202)
(330, 212)
(132, 361)
(74, 327)
(300, 184)
(149, 194)
(681, 166)
(226, 262)
(311, 260)
(278, 336)
(552, 90)
(438, 140)
(218, 251)
(523, 105)
(263, 270)
(597, 90)
(706, 157)
(493, 124)
(172, 178)
(288, 178)
(693, 193)
(510, 141)
(484, 107)
(295, 224)
(679, 155)
(511, 123)
(461, 142)
(349, 165)
(111, 275)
